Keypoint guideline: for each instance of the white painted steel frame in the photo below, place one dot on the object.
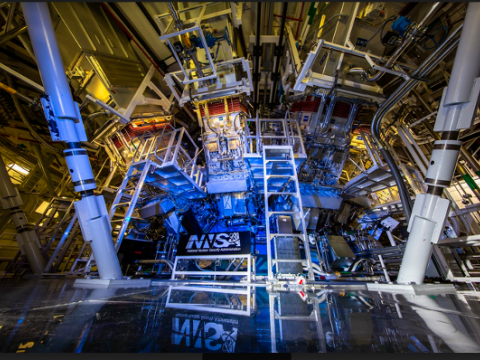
(250, 292)
(197, 28)
(185, 96)
(250, 273)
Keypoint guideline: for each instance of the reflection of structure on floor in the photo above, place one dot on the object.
(57, 316)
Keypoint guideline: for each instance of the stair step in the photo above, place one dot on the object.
(287, 235)
(123, 203)
(279, 176)
(286, 212)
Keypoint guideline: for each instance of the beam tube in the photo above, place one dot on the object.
(91, 210)
(442, 50)
(429, 218)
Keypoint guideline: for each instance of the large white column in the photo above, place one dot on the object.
(430, 211)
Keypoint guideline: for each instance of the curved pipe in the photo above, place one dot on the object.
(420, 140)
(328, 114)
(438, 55)
(317, 270)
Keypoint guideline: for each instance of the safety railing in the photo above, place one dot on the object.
(167, 147)
(283, 132)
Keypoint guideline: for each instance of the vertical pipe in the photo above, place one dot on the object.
(91, 210)
(278, 57)
(471, 161)
(390, 238)
(385, 272)
(465, 155)
(466, 68)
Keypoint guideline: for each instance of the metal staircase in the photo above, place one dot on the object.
(53, 221)
(279, 172)
(296, 312)
(162, 162)
(62, 246)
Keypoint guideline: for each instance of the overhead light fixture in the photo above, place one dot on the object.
(19, 169)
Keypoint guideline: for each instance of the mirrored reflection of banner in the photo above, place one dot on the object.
(190, 331)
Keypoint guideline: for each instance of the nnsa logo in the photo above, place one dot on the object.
(204, 335)
(214, 241)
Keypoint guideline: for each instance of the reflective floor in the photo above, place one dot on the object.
(56, 316)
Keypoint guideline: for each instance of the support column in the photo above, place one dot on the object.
(464, 154)
(27, 238)
(456, 112)
(461, 170)
(65, 124)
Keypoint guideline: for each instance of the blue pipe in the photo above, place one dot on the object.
(65, 124)
(48, 58)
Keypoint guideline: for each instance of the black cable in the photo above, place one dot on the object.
(257, 57)
(334, 84)
(379, 29)
(279, 50)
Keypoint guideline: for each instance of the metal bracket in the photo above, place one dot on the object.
(389, 71)
(82, 211)
(123, 119)
(467, 112)
(56, 125)
(440, 213)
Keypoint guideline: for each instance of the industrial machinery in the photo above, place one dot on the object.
(284, 145)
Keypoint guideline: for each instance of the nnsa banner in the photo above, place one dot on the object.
(231, 243)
